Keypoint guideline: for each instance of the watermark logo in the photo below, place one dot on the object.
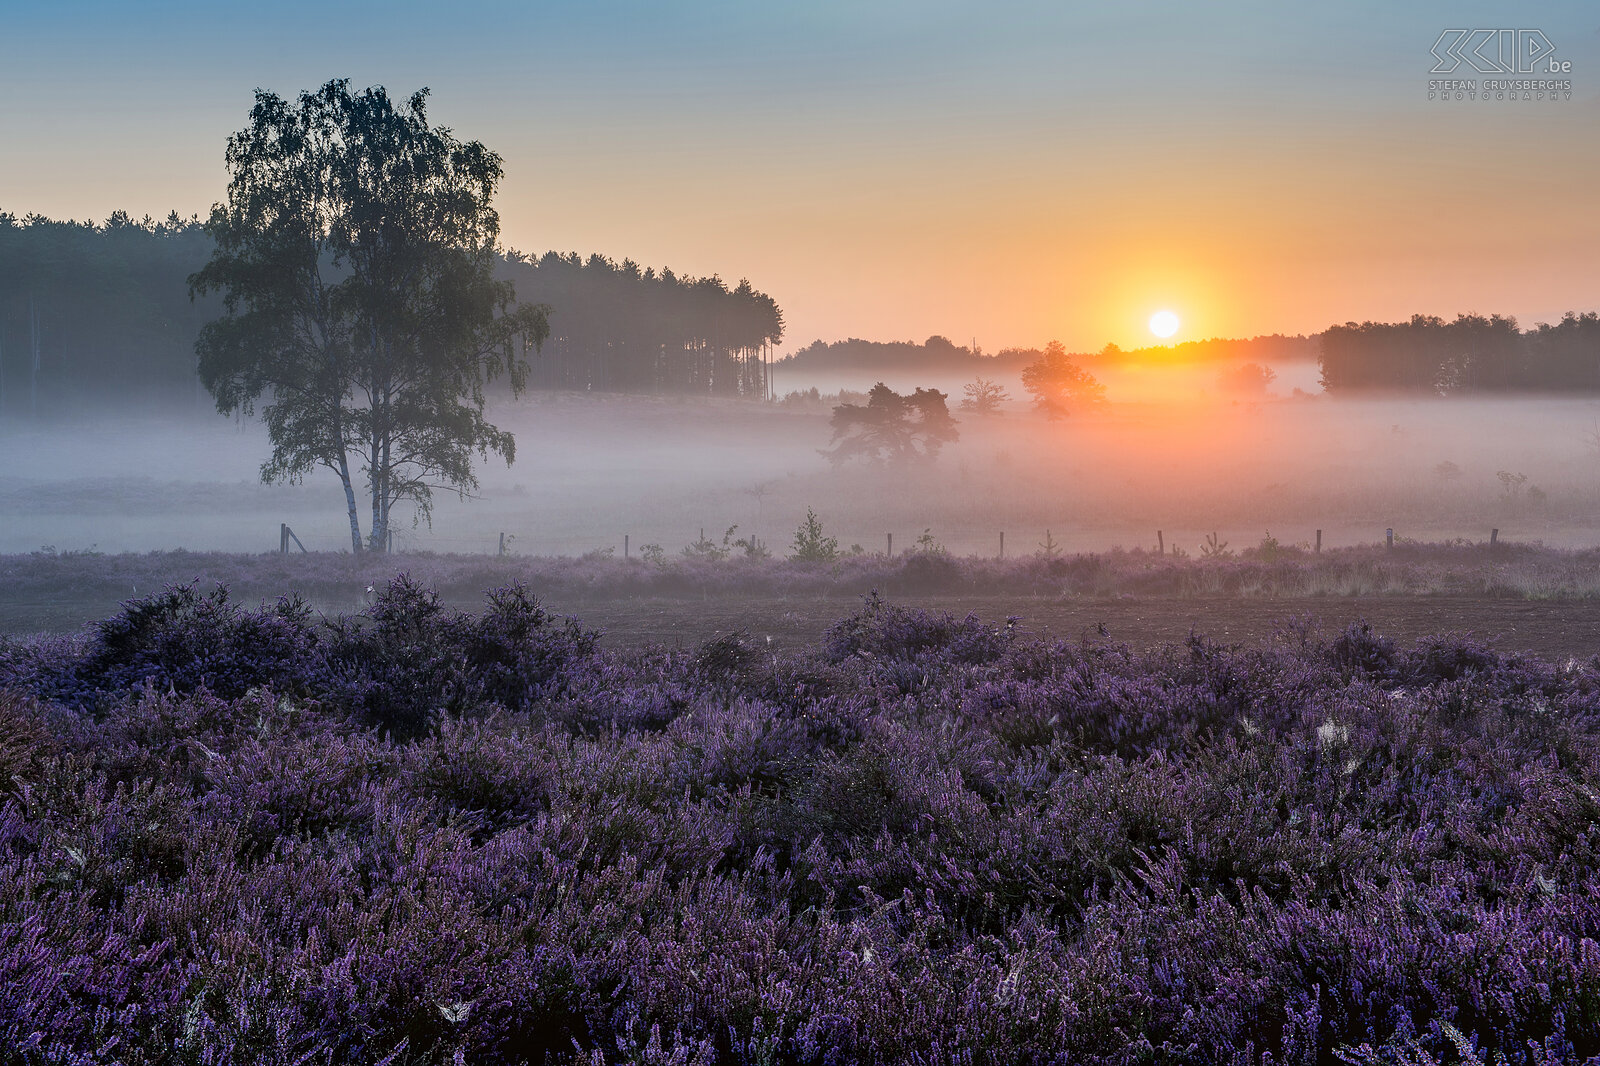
(1498, 51)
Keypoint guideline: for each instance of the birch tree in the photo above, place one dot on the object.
(355, 258)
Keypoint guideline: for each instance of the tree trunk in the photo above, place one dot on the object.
(380, 523)
(377, 497)
(350, 502)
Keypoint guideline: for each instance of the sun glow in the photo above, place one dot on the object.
(1164, 324)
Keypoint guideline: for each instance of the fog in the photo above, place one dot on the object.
(1167, 453)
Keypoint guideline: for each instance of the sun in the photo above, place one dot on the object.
(1164, 324)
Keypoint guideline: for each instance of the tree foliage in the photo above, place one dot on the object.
(1058, 384)
(355, 255)
(891, 428)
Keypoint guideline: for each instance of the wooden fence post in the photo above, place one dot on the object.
(1494, 538)
(625, 546)
(1389, 535)
(1002, 544)
(502, 544)
(890, 552)
(1319, 542)
(1161, 543)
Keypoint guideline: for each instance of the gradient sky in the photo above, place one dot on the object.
(1010, 172)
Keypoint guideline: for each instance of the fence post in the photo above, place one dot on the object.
(625, 555)
(1389, 535)
(1002, 544)
(1494, 538)
(283, 538)
(890, 552)
(1319, 542)
(1161, 543)
(502, 544)
(389, 542)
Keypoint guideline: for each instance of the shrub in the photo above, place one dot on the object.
(183, 640)
(811, 545)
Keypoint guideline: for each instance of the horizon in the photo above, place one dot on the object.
(894, 171)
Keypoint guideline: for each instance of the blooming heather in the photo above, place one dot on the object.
(420, 836)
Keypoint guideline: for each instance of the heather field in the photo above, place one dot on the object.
(416, 834)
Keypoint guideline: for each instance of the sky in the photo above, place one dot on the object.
(1005, 173)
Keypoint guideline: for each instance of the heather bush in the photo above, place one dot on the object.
(183, 640)
(409, 658)
(422, 836)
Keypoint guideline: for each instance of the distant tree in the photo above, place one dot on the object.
(355, 255)
(1248, 379)
(892, 428)
(983, 397)
(1058, 384)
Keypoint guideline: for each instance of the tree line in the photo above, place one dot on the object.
(89, 309)
(1471, 353)
(939, 353)
(94, 311)
(626, 328)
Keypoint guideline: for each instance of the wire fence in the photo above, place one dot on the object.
(967, 542)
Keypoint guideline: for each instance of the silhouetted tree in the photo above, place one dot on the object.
(356, 253)
(892, 428)
(1058, 384)
(983, 397)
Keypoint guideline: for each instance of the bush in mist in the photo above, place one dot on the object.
(930, 839)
